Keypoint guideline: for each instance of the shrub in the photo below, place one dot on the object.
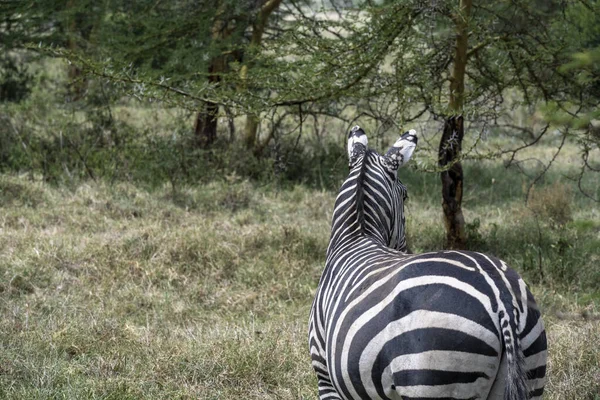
(552, 203)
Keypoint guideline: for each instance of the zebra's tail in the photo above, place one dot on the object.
(516, 386)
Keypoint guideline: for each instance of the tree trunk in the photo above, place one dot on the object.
(258, 28)
(452, 183)
(250, 131)
(451, 141)
(205, 127)
(457, 80)
(77, 81)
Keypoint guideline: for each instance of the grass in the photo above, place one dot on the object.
(113, 291)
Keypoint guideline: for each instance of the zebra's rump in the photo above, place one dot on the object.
(424, 328)
(396, 350)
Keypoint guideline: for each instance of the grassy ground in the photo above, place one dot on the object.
(116, 292)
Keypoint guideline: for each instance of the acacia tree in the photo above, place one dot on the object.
(183, 47)
(186, 44)
(413, 60)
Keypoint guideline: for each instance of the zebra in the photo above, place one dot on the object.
(385, 324)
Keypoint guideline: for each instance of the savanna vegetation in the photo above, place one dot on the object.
(168, 172)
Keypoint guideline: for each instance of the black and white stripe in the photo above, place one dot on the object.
(443, 325)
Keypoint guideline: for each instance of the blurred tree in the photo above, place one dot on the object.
(56, 23)
(181, 42)
(77, 24)
(190, 44)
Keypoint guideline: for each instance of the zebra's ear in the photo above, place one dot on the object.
(401, 152)
(357, 144)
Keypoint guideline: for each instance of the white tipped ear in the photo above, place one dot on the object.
(401, 152)
(357, 143)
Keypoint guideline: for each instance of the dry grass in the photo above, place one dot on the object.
(115, 292)
(552, 203)
(574, 366)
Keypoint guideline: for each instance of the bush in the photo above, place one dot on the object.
(552, 203)
(100, 147)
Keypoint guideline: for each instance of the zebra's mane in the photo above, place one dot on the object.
(357, 177)
(360, 191)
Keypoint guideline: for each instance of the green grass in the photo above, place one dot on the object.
(114, 292)
(118, 292)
